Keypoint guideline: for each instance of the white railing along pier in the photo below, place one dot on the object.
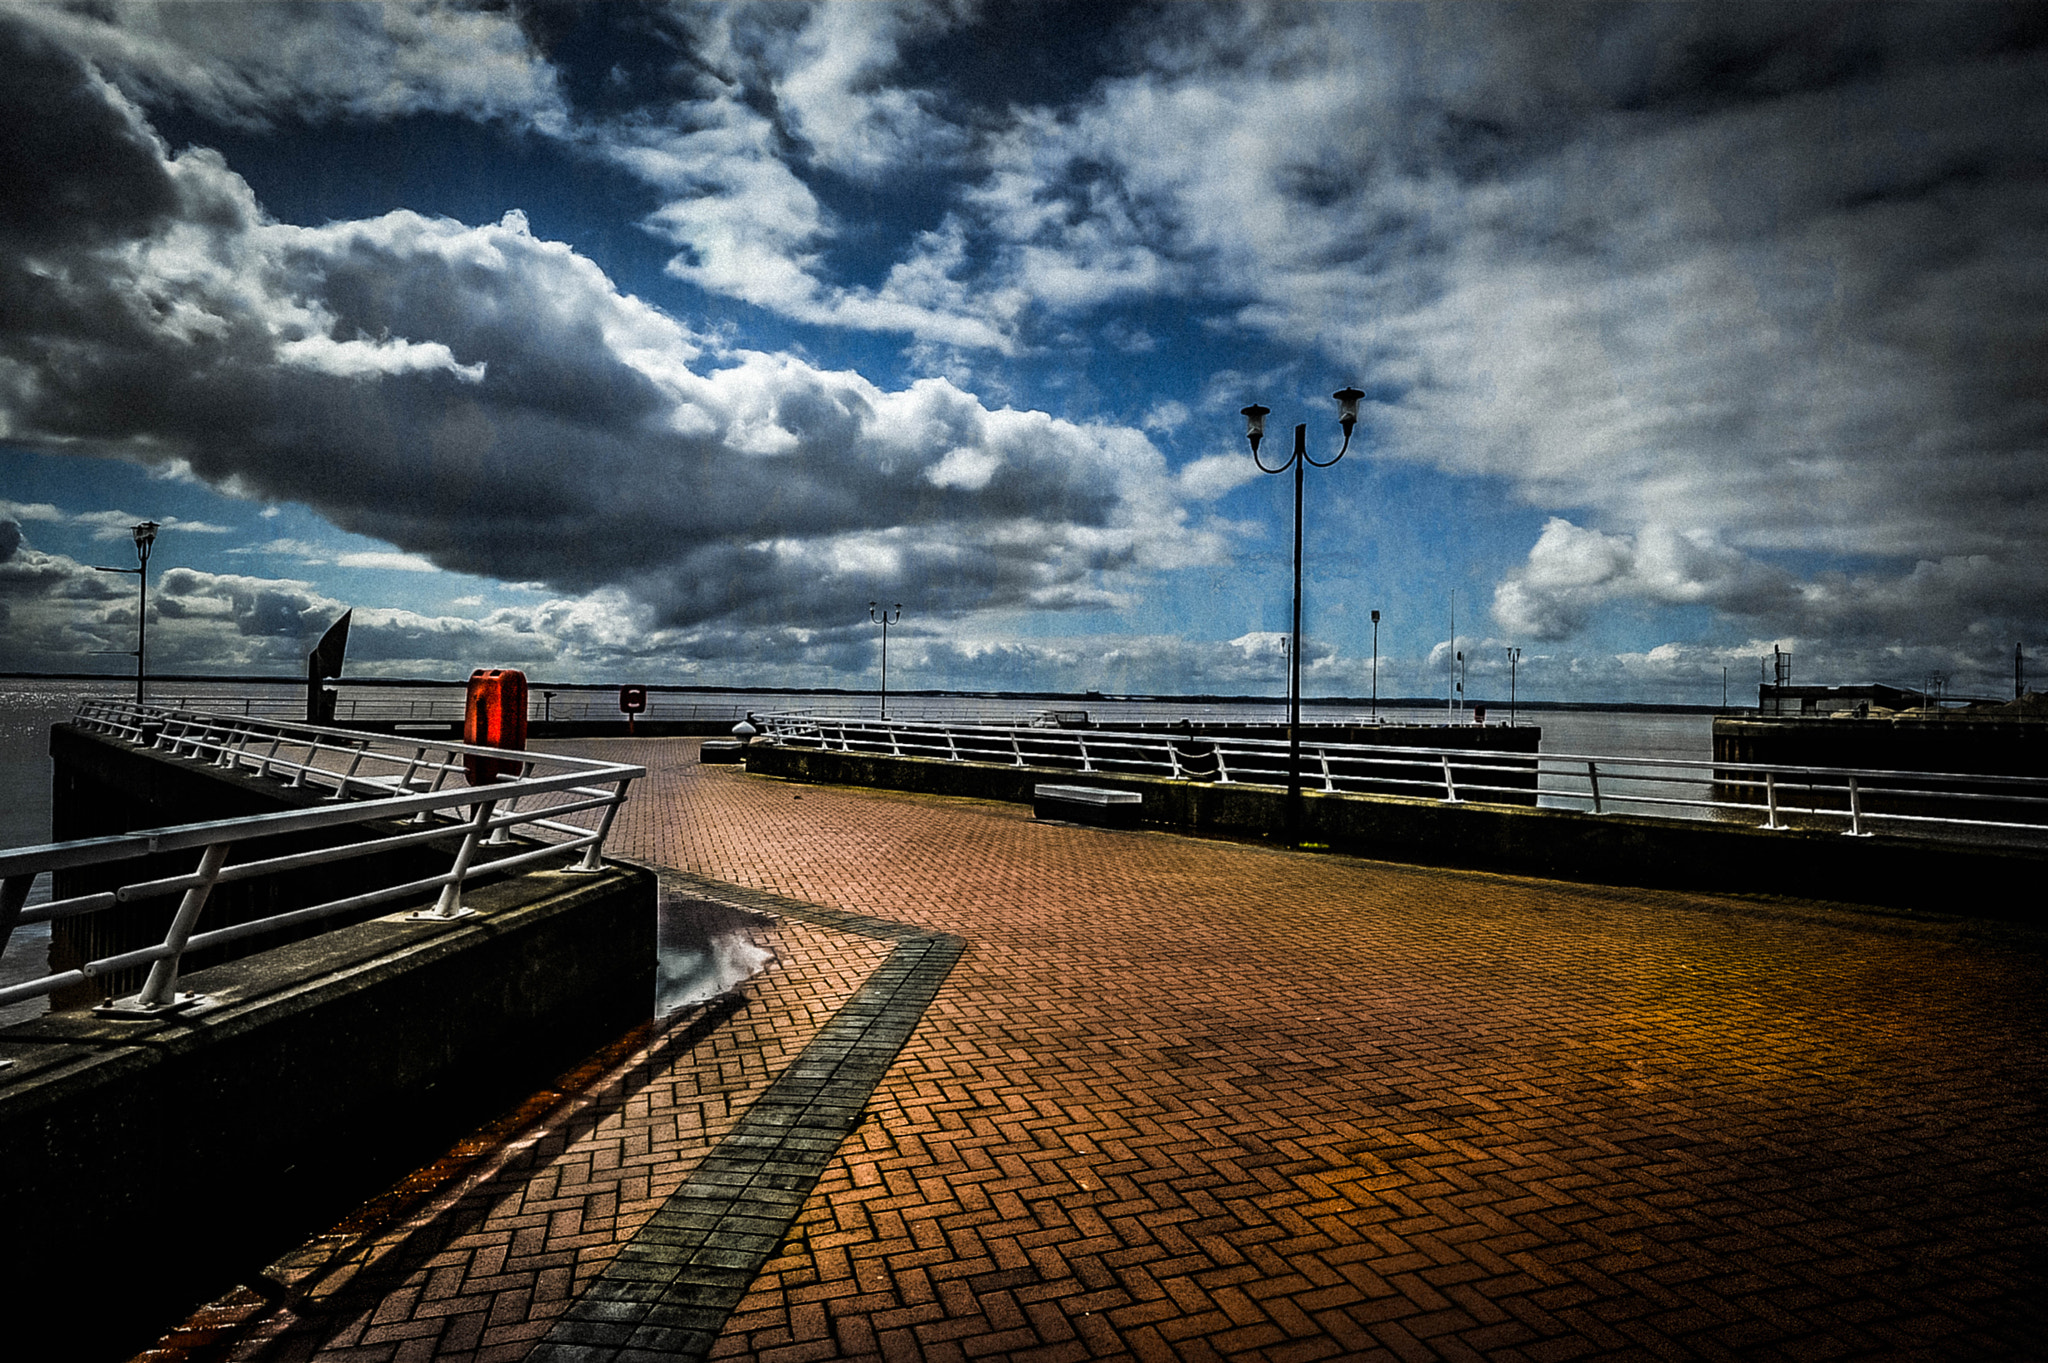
(1855, 800)
(419, 787)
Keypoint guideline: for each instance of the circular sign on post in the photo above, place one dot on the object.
(632, 699)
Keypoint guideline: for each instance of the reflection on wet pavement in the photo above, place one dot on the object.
(703, 948)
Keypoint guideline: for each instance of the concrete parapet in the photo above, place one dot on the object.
(1913, 874)
(146, 1165)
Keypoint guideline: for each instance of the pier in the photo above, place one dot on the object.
(1029, 1090)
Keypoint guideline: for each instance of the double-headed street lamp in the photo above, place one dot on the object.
(1514, 661)
(145, 535)
(884, 621)
(1255, 431)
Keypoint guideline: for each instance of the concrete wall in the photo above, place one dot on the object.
(1600, 849)
(146, 1166)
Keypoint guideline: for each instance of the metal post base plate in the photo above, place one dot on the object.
(436, 916)
(132, 1006)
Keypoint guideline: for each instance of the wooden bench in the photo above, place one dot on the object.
(1088, 804)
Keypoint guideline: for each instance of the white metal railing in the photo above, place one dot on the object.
(411, 785)
(2013, 807)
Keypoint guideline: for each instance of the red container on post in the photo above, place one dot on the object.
(632, 700)
(495, 717)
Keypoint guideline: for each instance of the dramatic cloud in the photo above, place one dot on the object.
(1722, 281)
(245, 63)
(490, 403)
(1737, 312)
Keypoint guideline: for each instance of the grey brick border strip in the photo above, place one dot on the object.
(667, 1295)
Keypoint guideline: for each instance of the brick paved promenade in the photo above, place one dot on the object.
(1186, 1099)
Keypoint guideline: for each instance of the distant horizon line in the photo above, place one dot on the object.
(1388, 702)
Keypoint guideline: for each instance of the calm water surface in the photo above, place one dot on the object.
(696, 954)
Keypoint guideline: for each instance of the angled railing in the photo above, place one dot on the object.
(422, 787)
(2014, 808)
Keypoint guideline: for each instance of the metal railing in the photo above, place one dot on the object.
(1925, 803)
(406, 784)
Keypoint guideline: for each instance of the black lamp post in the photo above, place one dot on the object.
(1514, 659)
(1375, 667)
(145, 535)
(884, 621)
(1255, 431)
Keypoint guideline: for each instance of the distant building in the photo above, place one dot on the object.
(1828, 700)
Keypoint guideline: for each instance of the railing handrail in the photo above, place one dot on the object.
(1456, 774)
(486, 812)
(1159, 738)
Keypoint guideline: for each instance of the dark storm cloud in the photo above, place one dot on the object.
(491, 401)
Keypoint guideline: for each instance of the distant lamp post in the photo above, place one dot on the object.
(1514, 659)
(1255, 431)
(884, 621)
(145, 536)
(1375, 667)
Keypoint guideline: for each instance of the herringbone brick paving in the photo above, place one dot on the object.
(1188, 1099)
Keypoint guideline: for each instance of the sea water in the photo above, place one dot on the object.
(29, 707)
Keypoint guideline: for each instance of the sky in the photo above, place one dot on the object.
(652, 342)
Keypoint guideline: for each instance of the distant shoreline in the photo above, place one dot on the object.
(1076, 699)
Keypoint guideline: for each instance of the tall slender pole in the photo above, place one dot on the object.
(1375, 667)
(1294, 659)
(1255, 429)
(145, 536)
(141, 625)
(1451, 685)
(884, 621)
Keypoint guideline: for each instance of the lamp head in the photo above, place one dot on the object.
(1375, 617)
(1347, 407)
(1255, 424)
(145, 535)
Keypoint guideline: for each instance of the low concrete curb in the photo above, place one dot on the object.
(1902, 873)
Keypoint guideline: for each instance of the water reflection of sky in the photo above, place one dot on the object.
(703, 948)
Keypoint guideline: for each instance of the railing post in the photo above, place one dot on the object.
(1323, 756)
(593, 855)
(449, 906)
(1450, 788)
(1856, 810)
(341, 790)
(1771, 800)
(13, 894)
(1016, 747)
(158, 989)
(1082, 744)
(1593, 783)
(952, 748)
